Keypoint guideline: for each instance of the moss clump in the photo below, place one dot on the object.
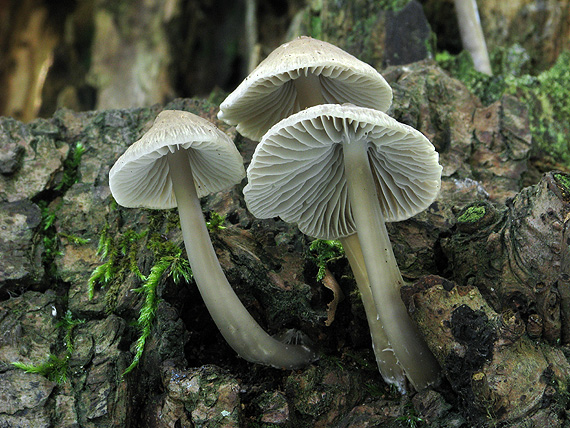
(56, 368)
(322, 252)
(410, 417)
(564, 180)
(174, 266)
(313, 398)
(472, 214)
(392, 5)
(121, 254)
(49, 236)
(216, 222)
(563, 183)
(71, 168)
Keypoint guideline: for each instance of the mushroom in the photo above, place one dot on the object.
(336, 170)
(299, 74)
(472, 36)
(179, 160)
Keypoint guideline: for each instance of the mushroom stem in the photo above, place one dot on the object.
(387, 363)
(412, 353)
(308, 89)
(472, 35)
(236, 324)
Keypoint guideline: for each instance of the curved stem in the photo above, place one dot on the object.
(412, 353)
(387, 363)
(236, 324)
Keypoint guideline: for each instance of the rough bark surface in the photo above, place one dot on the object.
(499, 329)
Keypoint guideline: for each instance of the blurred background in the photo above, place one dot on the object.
(99, 54)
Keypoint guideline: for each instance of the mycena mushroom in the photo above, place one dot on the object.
(336, 170)
(180, 159)
(303, 73)
(298, 74)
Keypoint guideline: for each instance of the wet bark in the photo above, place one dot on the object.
(59, 223)
(516, 255)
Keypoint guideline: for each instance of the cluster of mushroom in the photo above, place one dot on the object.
(329, 160)
(180, 159)
(332, 162)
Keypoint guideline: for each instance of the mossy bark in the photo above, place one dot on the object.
(515, 255)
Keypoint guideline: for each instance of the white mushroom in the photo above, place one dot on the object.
(472, 36)
(180, 159)
(299, 74)
(339, 169)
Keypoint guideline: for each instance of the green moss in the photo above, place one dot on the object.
(361, 34)
(73, 239)
(316, 26)
(410, 417)
(216, 222)
(472, 214)
(68, 323)
(71, 168)
(548, 97)
(168, 265)
(105, 274)
(49, 236)
(50, 208)
(392, 5)
(312, 397)
(487, 88)
(510, 66)
(322, 252)
(121, 254)
(216, 96)
(564, 180)
(56, 368)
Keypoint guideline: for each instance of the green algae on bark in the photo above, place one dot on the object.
(547, 96)
(471, 214)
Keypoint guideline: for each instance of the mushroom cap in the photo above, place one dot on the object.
(297, 170)
(268, 94)
(141, 178)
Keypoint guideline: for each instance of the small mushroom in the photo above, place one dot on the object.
(336, 170)
(472, 36)
(180, 159)
(302, 73)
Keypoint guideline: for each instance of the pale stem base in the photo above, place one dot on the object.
(387, 363)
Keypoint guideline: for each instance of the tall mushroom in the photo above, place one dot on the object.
(180, 159)
(298, 74)
(302, 73)
(339, 169)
